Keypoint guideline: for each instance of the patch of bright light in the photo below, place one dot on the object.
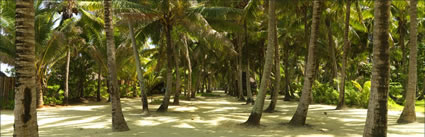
(183, 125)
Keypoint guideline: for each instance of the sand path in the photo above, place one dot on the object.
(206, 117)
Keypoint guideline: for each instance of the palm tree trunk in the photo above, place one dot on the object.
(66, 92)
(332, 52)
(166, 99)
(287, 86)
(376, 121)
(341, 98)
(248, 85)
(409, 115)
(39, 81)
(300, 115)
(275, 94)
(239, 68)
(144, 97)
(189, 68)
(118, 121)
(99, 83)
(255, 116)
(25, 90)
(177, 63)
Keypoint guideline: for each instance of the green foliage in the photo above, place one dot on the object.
(10, 104)
(324, 93)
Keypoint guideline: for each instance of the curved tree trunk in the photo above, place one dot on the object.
(409, 115)
(376, 121)
(275, 94)
(144, 97)
(25, 88)
(166, 99)
(300, 115)
(118, 121)
(341, 98)
(255, 116)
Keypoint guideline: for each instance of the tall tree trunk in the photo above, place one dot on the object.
(166, 99)
(239, 69)
(341, 98)
(177, 64)
(300, 115)
(99, 84)
(255, 116)
(25, 88)
(118, 120)
(376, 121)
(287, 74)
(250, 100)
(144, 97)
(66, 92)
(332, 52)
(189, 68)
(39, 88)
(275, 94)
(409, 115)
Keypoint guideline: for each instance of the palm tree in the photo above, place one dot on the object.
(118, 121)
(139, 71)
(255, 116)
(25, 92)
(408, 115)
(300, 115)
(341, 101)
(376, 121)
(275, 93)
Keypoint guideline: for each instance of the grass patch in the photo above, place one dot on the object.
(419, 106)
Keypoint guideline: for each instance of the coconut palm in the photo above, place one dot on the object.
(300, 115)
(25, 92)
(376, 121)
(255, 116)
(118, 121)
(408, 115)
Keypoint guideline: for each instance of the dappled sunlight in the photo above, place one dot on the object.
(183, 125)
(218, 117)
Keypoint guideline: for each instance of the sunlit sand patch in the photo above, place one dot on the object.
(183, 125)
(186, 109)
(147, 123)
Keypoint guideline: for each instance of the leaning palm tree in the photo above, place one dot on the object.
(25, 94)
(408, 115)
(255, 116)
(300, 115)
(376, 121)
(118, 121)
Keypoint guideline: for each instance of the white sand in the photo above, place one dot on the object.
(206, 117)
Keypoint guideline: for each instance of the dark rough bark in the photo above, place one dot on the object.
(118, 120)
(409, 115)
(341, 99)
(376, 121)
(25, 88)
(300, 115)
(255, 116)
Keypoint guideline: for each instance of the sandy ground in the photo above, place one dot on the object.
(206, 117)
